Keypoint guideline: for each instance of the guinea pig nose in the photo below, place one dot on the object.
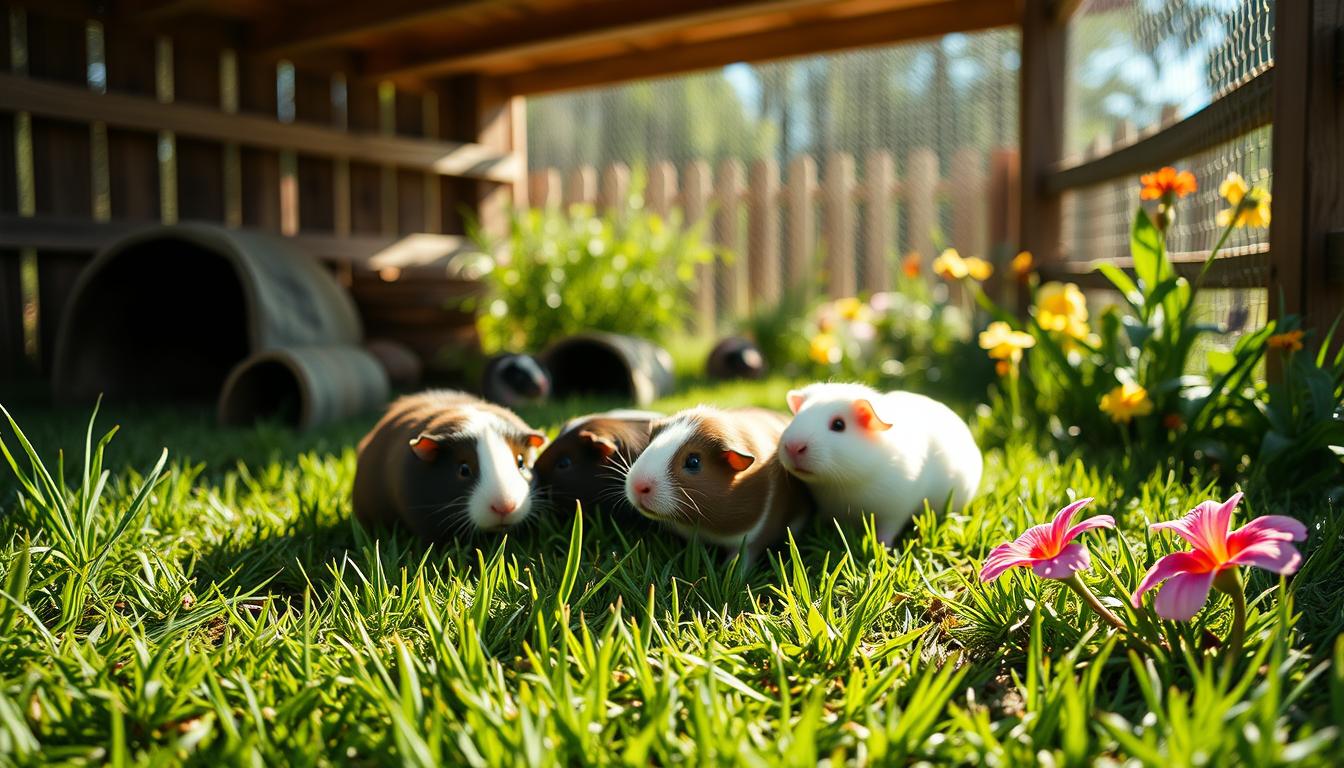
(643, 487)
(503, 508)
(796, 448)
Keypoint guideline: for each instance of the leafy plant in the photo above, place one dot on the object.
(569, 271)
(1303, 426)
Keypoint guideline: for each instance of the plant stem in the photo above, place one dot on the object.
(1218, 246)
(1229, 583)
(1075, 582)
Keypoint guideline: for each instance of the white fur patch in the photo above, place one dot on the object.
(498, 479)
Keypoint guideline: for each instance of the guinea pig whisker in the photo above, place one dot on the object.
(685, 492)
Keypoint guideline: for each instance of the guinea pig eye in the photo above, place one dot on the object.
(692, 463)
(464, 470)
(838, 425)
(563, 463)
(522, 462)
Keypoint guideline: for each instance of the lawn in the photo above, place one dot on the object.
(242, 618)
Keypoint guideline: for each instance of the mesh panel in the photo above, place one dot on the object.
(953, 100)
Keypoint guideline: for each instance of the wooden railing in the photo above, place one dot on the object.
(848, 222)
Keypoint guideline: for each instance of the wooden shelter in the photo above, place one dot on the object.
(365, 130)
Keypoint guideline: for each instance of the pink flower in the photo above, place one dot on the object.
(1265, 542)
(1048, 548)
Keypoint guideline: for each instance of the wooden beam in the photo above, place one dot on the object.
(1308, 153)
(1041, 117)
(413, 253)
(64, 102)
(288, 33)
(1242, 110)
(516, 46)
(1234, 268)
(797, 40)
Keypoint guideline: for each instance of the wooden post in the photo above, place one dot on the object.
(1126, 190)
(1092, 219)
(802, 227)
(1307, 230)
(1041, 131)
(582, 187)
(838, 224)
(501, 125)
(1003, 219)
(921, 201)
(695, 200)
(880, 179)
(662, 190)
(732, 280)
(763, 234)
(544, 189)
(615, 189)
(968, 231)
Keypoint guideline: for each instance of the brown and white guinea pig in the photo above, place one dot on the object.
(444, 463)
(586, 462)
(514, 380)
(716, 472)
(864, 452)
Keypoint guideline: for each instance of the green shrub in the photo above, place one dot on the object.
(571, 271)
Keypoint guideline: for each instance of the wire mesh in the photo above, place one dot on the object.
(954, 97)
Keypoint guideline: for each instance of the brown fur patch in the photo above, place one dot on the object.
(591, 478)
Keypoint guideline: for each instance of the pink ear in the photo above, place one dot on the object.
(425, 448)
(868, 418)
(536, 439)
(738, 461)
(796, 399)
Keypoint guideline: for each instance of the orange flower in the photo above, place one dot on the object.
(911, 264)
(1291, 341)
(1003, 367)
(1166, 183)
(1023, 263)
(1172, 422)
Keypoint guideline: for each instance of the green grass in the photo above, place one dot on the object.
(239, 616)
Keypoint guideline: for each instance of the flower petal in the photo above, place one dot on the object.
(1073, 557)
(1059, 527)
(1169, 566)
(1268, 527)
(1098, 521)
(1183, 595)
(1001, 559)
(1205, 526)
(1277, 556)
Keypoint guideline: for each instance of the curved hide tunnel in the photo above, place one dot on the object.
(609, 364)
(167, 313)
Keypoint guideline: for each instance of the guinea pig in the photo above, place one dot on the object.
(715, 472)
(444, 463)
(514, 380)
(586, 462)
(867, 452)
(735, 358)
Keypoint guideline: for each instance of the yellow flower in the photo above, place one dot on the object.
(1289, 340)
(849, 308)
(1125, 402)
(1250, 205)
(1004, 343)
(1023, 263)
(825, 349)
(950, 265)
(979, 269)
(1062, 307)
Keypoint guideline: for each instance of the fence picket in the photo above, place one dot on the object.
(695, 201)
(838, 224)
(800, 193)
(728, 226)
(615, 188)
(582, 186)
(921, 175)
(763, 234)
(880, 173)
(662, 190)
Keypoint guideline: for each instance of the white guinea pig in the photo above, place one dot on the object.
(865, 452)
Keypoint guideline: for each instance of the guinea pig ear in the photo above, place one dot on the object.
(868, 418)
(425, 447)
(603, 445)
(536, 439)
(796, 398)
(737, 460)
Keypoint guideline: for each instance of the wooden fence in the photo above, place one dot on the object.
(847, 222)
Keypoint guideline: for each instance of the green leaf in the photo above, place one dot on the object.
(1148, 250)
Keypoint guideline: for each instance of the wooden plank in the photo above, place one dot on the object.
(13, 359)
(66, 235)
(200, 163)
(615, 190)
(582, 187)
(1242, 110)
(1308, 153)
(60, 102)
(500, 126)
(1041, 127)
(662, 190)
(763, 235)
(299, 30)
(56, 276)
(879, 183)
(546, 189)
(796, 40)
(1235, 268)
(732, 268)
(366, 176)
(539, 35)
(921, 203)
(316, 175)
(837, 230)
(967, 194)
(695, 202)
(801, 192)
